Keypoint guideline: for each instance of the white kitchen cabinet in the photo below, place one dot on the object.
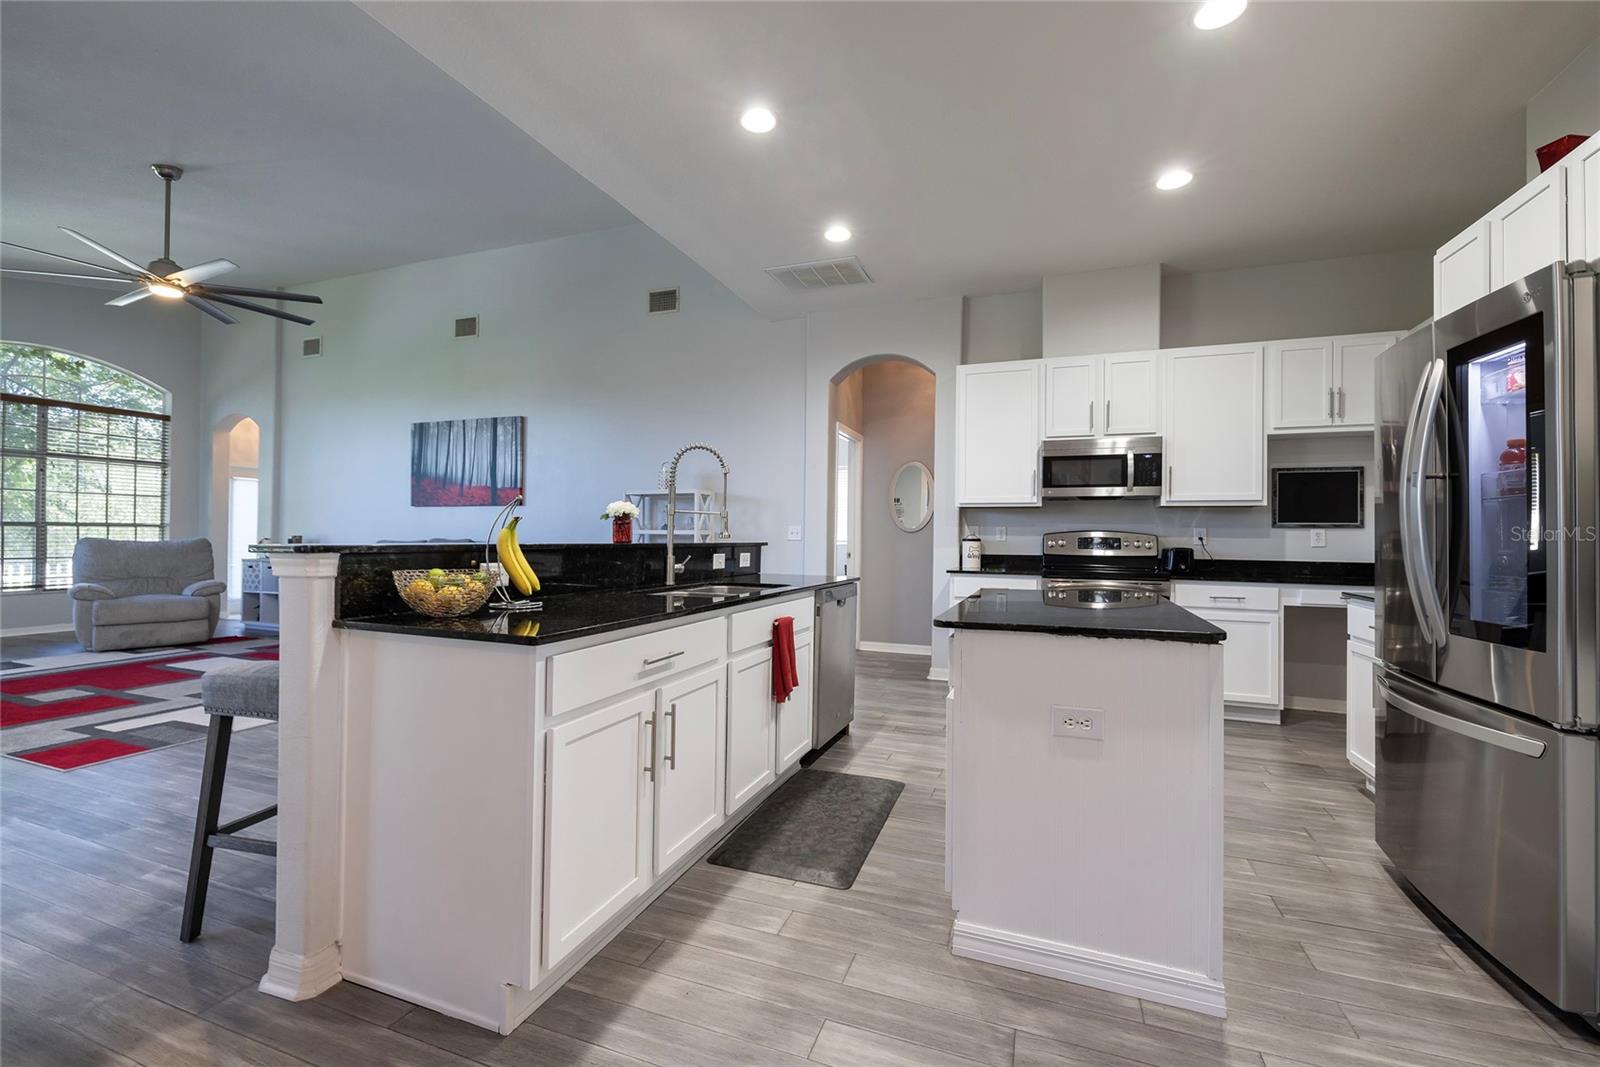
(1252, 656)
(965, 585)
(1071, 395)
(1300, 377)
(597, 833)
(1116, 395)
(1212, 412)
(751, 746)
(1360, 707)
(794, 714)
(688, 765)
(1582, 165)
(1461, 269)
(1355, 362)
(1528, 230)
(997, 433)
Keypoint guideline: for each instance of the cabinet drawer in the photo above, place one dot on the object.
(1360, 622)
(1233, 595)
(753, 627)
(591, 674)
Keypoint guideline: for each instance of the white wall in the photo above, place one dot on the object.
(1103, 311)
(1569, 104)
(897, 412)
(609, 392)
(154, 340)
(1002, 327)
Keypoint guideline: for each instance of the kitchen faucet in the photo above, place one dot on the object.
(670, 476)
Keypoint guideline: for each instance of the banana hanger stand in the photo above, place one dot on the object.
(503, 600)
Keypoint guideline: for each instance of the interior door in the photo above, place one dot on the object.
(1131, 384)
(1301, 383)
(689, 765)
(1071, 393)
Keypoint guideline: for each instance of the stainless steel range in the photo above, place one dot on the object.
(1103, 569)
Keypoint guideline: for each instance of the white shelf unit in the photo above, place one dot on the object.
(651, 525)
(258, 595)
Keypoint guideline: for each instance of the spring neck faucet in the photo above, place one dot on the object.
(670, 477)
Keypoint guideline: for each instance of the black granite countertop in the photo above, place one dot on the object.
(1265, 571)
(1025, 611)
(569, 615)
(273, 548)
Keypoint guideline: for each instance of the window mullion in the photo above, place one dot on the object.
(41, 547)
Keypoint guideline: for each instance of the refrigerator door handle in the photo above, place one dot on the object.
(1523, 746)
(1424, 589)
(1411, 505)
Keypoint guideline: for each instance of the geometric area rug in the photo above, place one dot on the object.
(82, 709)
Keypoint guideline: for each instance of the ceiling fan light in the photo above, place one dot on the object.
(165, 290)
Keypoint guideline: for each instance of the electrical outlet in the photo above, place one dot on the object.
(1081, 724)
(1319, 538)
(744, 559)
(794, 533)
(1199, 533)
(999, 533)
(719, 560)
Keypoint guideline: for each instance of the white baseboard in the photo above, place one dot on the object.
(291, 976)
(23, 631)
(938, 674)
(894, 649)
(1240, 713)
(1102, 970)
(1323, 705)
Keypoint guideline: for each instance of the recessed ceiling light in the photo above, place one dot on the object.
(1176, 178)
(838, 233)
(1215, 14)
(758, 120)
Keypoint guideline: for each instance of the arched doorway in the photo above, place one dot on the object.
(236, 498)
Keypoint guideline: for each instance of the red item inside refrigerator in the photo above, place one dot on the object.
(1550, 154)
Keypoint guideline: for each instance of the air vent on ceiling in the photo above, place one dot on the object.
(467, 327)
(311, 346)
(822, 274)
(663, 300)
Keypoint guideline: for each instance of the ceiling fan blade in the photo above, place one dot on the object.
(261, 308)
(129, 298)
(264, 294)
(201, 271)
(210, 309)
(69, 259)
(118, 281)
(103, 250)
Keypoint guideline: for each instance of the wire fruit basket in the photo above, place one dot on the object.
(443, 594)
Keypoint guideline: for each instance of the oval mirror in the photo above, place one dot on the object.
(911, 497)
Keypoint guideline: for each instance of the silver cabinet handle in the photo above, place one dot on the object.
(1091, 417)
(1108, 415)
(1172, 483)
(1341, 403)
(1330, 405)
(663, 659)
(650, 764)
(1523, 746)
(1215, 597)
(672, 737)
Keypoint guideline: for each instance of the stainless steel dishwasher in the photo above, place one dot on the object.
(835, 641)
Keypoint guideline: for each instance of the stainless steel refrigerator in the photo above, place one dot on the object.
(1488, 511)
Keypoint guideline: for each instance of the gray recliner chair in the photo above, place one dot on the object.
(143, 594)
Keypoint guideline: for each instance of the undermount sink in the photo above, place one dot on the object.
(743, 589)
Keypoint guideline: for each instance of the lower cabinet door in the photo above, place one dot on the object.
(1360, 723)
(751, 746)
(597, 828)
(794, 714)
(1251, 656)
(689, 775)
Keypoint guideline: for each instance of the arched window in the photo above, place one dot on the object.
(83, 453)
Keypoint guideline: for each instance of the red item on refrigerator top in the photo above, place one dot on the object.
(1550, 154)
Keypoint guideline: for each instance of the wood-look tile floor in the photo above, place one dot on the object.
(1328, 961)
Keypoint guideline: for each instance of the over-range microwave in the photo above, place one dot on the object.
(1100, 467)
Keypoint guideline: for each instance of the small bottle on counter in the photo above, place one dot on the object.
(972, 553)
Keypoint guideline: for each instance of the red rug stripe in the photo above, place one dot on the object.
(80, 753)
(267, 654)
(112, 676)
(14, 714)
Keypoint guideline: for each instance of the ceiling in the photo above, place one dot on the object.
(973, 147)
(315, 143)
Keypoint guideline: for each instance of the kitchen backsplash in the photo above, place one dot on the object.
(1238, 533)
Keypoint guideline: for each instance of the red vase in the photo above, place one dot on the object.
(622, 530)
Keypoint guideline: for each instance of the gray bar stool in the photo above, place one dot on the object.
(250, 690)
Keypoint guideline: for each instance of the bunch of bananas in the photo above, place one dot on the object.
(512, 559)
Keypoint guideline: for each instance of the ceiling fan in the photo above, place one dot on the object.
(165, 279)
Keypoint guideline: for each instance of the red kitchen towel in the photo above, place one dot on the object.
(784, 675)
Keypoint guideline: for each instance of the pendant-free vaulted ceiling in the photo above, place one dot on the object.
(973, 146)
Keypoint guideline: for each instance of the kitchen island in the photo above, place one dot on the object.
(1084, 801)
(469, 809)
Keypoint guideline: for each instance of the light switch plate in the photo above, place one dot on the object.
(1319, 538)
(719, 560)
(744, 559)
(1079, 724)
(794, 533)
(999, 533)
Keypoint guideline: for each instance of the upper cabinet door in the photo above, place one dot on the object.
(1300, 387)
(1461, 269)
(1355, 362)
(1071, 395)
(1131, 391)
(1529, 230)
(1582, 165)
(1211, 408)
(997, 433)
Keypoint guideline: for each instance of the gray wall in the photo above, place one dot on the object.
(152, 339)
(897, 405)
(1569, 104)
(1098, 311)
(1002, 327)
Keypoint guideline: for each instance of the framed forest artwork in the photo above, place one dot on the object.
(466, 462)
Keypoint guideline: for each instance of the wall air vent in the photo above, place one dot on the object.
(822, 274)
(310, 347)
(663, 300)
(467, 327)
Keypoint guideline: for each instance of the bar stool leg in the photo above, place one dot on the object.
(218, 736)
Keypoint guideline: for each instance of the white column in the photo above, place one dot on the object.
(305, 953)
